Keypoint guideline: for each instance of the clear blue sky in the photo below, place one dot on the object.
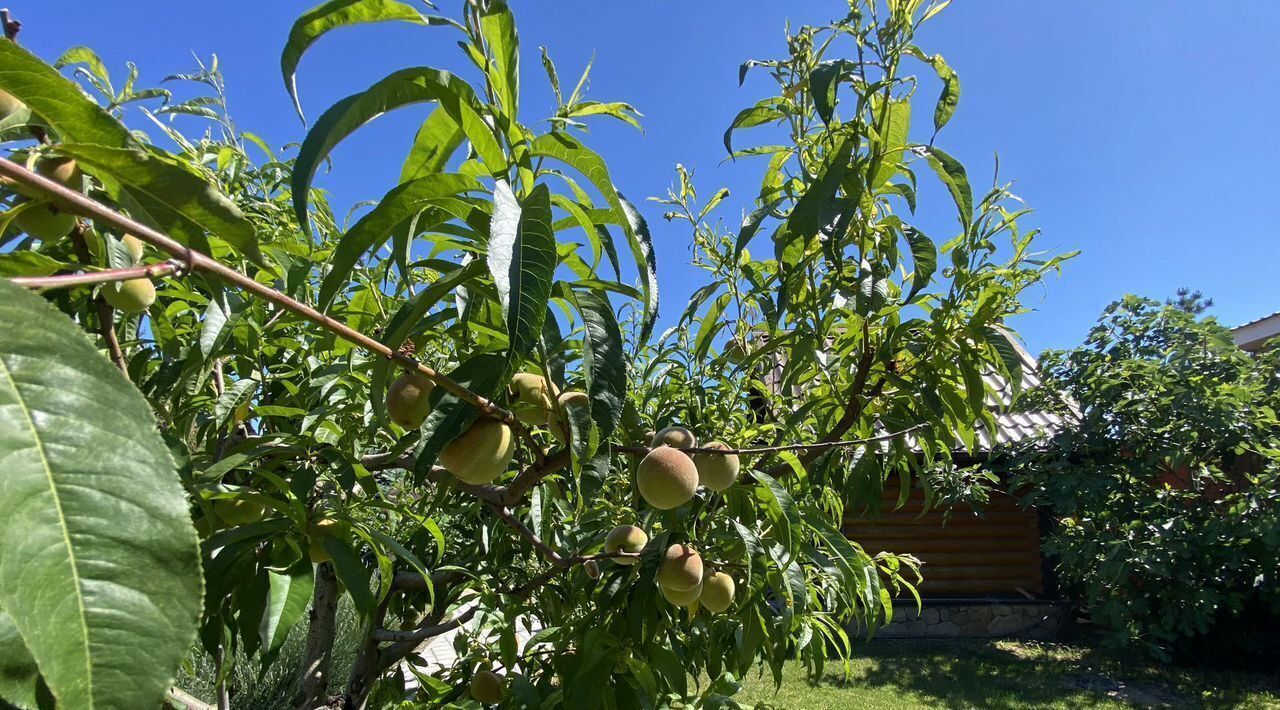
(1142, 131)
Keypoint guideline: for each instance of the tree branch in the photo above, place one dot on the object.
(423, 633)
(819, 446)
(187, 700)
(413, 582)
(518, 525)
(97, 277)
(314, 680)
(200, 261)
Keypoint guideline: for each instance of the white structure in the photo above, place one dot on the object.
(1253, 335)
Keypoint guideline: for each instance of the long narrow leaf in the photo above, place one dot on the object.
(335, 14)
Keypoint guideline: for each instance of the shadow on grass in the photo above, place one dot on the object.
(972, 674)
(1008, 675)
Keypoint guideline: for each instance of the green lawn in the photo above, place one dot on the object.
(911, 673)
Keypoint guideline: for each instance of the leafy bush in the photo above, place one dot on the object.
(1165, 489)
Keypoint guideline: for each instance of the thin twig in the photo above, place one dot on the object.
(189, 701)
(87, 278)
(198, 260)
(529, 587)
(816, 446)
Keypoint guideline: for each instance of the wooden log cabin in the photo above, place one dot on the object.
(996, 555)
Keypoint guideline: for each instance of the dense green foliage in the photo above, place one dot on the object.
(498, 253)
(1165, 489)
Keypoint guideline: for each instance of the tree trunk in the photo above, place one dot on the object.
(364, 674)
(367, 668)
(314, 682)
(220, 690)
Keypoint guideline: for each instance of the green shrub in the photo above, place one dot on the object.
(1164, 493)
(255, 686)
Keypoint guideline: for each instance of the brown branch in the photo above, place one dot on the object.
(407, 581)
(438, 474)
(365, 670)
(532, 585)
(86, 278)
(106, 321)
(820, 446)
(518, 525)
(187, 700)
(423, 633)
(202, 262)
(853, 411)
(11, 26)
(106, 314)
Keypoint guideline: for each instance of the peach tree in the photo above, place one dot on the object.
(228, 411)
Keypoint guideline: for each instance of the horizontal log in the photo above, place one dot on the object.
(999, 574)
(939, 518)
(975, 586)
(972, 545)
(939, 559)
(1012, 530)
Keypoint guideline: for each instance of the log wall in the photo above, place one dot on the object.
(998, 554)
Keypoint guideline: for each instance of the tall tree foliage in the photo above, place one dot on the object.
(498, 253)
(1164, 484)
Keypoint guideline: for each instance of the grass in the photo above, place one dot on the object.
(1004, 675)
(252, 688)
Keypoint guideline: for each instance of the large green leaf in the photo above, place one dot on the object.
(335, 14)
(751, 224)
(824, 80)
(953, 175)
(1000, 340)
(646, 262)
(100, 570)
(397, 207)
(807, 216)
(603, 360)
(288, 595)
(950, 95)
(765, 111)
(522, 260)
(498, 27)
(925, 255)
(169, 196)
(406, 318)
(893, 122)
(402, 88)
(435, 142)
(568, 150)
(58, 101)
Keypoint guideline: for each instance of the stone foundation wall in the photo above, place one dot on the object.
(1036, 620)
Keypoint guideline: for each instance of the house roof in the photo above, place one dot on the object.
(1012, 426)
(1252, 335)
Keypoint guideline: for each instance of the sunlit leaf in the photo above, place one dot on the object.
(61, 104)
(392, 212)
(171, 197)
(522, 260)
(402, 88)
(335, 14)
(100, 572)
